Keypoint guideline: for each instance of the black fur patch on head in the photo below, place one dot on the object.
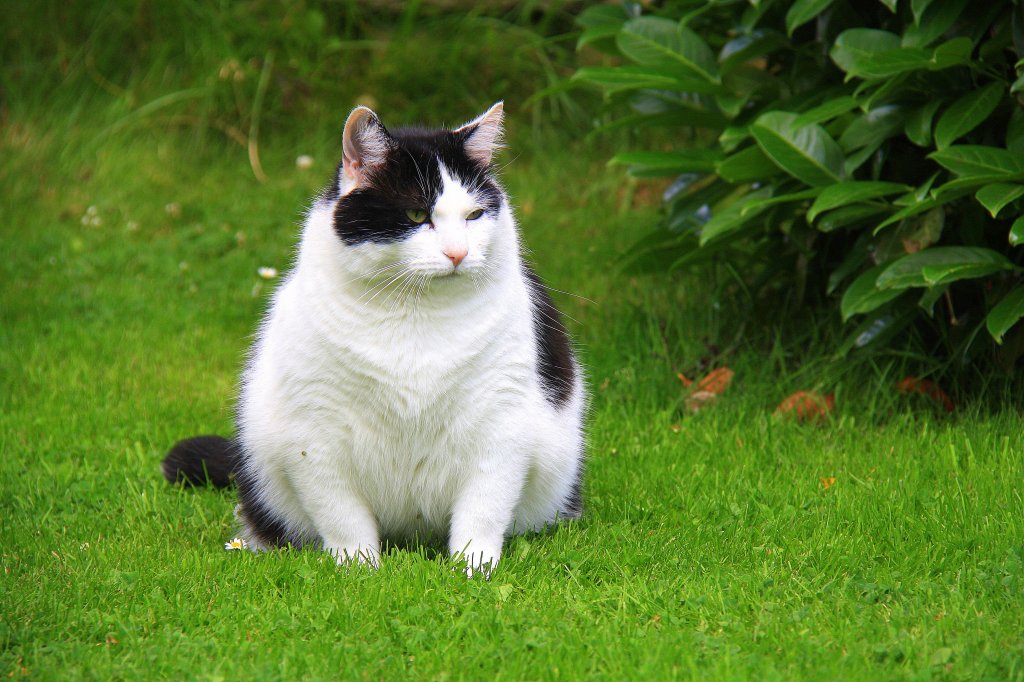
(410, 179)
(556, 367)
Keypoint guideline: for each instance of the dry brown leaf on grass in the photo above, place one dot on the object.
(928, 388)
(827, 481)
(707, 390)
(807, 406)
(716, 381)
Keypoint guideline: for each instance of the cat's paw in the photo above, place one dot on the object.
(355, 556)
(475, 561)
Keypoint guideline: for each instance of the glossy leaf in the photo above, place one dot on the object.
(662, 43)
(846, 193)
(731, 218)
(863, 296)
(918, 7)
(967, 113)
(935, 20)
(757, 43)
(599, 22)
(868, 132)
(668, 163)
(808, 153)
(1017, 232)
(856, 47)
(747, 165)
(803, 11)
(848, 215)
(631, 77)
(995, 196)
(827, 110)
(942, 264)
(918, 126)
(1005, 314)
(978, 160)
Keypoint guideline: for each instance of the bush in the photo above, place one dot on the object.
(866, 155)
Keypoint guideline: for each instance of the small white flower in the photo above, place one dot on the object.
(92, 210)
(173, 209)
(267, 272)
(132, 226)
(236, 543)
(304, 162)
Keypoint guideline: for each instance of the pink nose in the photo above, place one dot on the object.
(455, 254)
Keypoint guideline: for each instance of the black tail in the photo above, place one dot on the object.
(200, 461)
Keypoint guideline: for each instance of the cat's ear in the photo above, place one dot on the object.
(365, 143)
(482, 136)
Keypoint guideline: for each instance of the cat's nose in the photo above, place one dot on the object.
(455, 254)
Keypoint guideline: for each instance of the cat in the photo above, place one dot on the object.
(411, 376)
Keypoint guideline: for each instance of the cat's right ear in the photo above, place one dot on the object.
(365, 144)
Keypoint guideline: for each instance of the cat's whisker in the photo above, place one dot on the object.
(376, 291)
(569, 293)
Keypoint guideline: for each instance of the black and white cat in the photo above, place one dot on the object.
(411, 375)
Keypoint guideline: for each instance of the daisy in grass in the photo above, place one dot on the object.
(236, 543)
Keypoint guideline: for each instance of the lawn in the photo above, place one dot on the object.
(886, 542)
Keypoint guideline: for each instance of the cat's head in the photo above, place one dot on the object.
(420, 201)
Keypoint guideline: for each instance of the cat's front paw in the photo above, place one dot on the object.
(475, 560)
(355, 556)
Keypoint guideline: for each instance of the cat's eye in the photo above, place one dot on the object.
(473, 215)
(417, 215)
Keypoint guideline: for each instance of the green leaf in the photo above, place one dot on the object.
(732, 136)
(934, 22)
(918, 126)
(731, 218)
(890, 5)
(1017, 232)
(1015, 131)
(967, 113)
(969, 159)
(863, 296)
(747, 165)
(848, 215)
(668, 163)
(661, 43)
(803, 11)
(631, 77)
(995, 196)
(1005, 314)
(846, 193)
(918, 7)
(951, 53)
(808, 153)
(827, 110)
(930, 297)
(757, 43)
(923, 205)
(760, 204)
(942, 264)
(872, 128)
(855, 45)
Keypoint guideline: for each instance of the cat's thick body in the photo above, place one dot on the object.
(404, 410)
(411, 377)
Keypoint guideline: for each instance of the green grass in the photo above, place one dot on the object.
(710, 548)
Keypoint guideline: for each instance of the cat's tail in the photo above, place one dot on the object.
(202, 460)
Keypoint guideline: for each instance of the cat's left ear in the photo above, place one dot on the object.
(365, 143)
(482, 135)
